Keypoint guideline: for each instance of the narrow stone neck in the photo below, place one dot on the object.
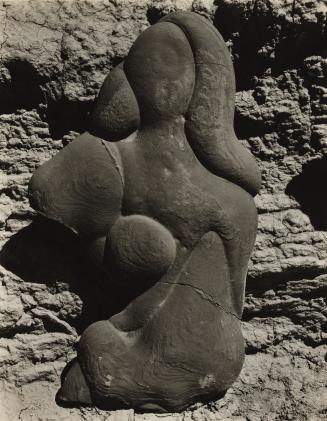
(167, 136)
(167, 125)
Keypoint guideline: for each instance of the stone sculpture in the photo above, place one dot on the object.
(161, 194)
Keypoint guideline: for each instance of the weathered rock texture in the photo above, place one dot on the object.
(54, 56)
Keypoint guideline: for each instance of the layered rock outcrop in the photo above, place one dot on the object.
(54, 56)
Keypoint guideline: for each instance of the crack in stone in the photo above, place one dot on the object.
(5, 35)
(32, 22)
(47, 315)
(115, 162)
(204, 295)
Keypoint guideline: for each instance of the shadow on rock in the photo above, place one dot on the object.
(308, 188)
(47, 252)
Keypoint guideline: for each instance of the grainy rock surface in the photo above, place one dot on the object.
(54, 56)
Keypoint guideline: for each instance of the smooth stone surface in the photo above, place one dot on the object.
(168, 213)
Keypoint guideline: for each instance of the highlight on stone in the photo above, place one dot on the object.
(160, 192)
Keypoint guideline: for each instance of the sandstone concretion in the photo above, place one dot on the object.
(54, 58)
(164, 204)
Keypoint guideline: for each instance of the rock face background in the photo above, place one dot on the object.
(54, 56)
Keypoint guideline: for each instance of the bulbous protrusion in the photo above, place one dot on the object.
(140, 247)
(74, 388)
(160, 70)
(210, 116)
(80, 187)
(116, 113)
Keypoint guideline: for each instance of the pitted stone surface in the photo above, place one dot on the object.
(66, 49)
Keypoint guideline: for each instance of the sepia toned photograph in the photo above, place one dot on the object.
(163, 210)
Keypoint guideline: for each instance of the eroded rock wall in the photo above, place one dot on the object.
(54, 57)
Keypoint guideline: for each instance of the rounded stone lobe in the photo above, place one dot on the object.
(116, 113)
(160, 69)
(141, 246)
(80, 187)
